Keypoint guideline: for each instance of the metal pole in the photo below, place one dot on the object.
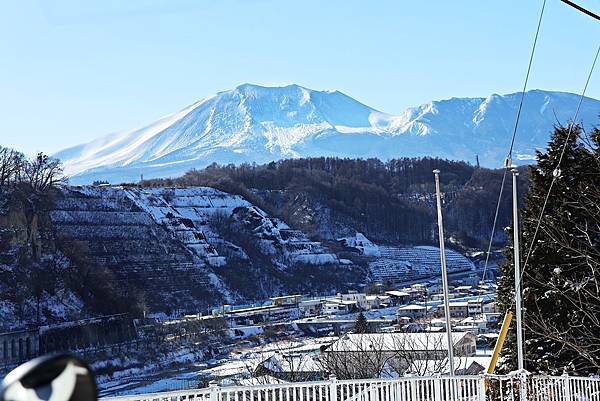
(444, 272)
(520, 364)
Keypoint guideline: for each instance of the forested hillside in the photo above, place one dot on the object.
(390, 202)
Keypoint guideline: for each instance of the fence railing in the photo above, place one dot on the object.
(518, 387)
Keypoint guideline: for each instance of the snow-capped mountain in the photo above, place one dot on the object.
(258, 124)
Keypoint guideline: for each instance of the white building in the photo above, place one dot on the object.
(418, 345)
(490, 307)
(412, 311)
(398, 297)
(338, 307)
(472, 325)
(287, 300)
(359, 297)
(377, 301)
(310, 307)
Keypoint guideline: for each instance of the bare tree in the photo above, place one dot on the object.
(43, 172)
(356, 356)
(424, 354)
(40, 172)
(280, 361)
(367, 356)
(11, 166)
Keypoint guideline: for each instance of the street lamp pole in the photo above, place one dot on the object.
(518, 312)
(444, 272)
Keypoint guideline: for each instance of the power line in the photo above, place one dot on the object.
(555, 176)
(583, 10)
(556, 172)
(487, 256)
(537, 32)
(508, 161)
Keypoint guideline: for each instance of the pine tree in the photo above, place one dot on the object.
(561, 291)
(361, 326)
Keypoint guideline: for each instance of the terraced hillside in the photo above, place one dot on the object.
(405, 264)
(188, 211)
(118, 234)
(163, 243)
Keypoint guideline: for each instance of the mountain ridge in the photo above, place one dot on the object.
(259, 124)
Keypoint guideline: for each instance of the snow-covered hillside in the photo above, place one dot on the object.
(398, 264)
(258, 124)
(163, 240)
(404, 264)
(186, 213)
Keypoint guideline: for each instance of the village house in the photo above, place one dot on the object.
(412, 311)
(436, 325)
(417, 292)
(464, 290)
(336, 306)
(474, 307)
(377, 301)
(439, 297)
(310, 307)
(489, 307)
(398, 297)
(287, 300)
(359, 297)
(472, 325)
(290, 367)
(407, 346)
(458, 309)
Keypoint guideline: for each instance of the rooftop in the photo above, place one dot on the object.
(395, 342)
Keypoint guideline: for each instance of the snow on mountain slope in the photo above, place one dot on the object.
(163, 241)
(187, 211)
(258, 124)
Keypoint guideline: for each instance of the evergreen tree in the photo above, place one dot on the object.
(561, 291)
(361, 326)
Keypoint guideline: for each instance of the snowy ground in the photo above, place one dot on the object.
(233, 368)
(165, 381)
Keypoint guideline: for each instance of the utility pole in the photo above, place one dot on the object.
(520, 364)
(436, 173)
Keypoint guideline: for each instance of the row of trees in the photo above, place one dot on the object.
(387, 201)
(40, 172)
(26, 189)
(561, 279)
(369, 356)
(358, 356)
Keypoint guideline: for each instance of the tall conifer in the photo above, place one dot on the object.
(561, 281)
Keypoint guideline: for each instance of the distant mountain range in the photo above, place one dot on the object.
(259, 124)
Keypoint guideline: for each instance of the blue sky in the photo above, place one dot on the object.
(71, 71)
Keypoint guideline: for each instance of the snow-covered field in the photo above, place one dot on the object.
(234, 368)
(398, 264)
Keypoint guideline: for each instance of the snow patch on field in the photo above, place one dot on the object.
(362, 244)
(413, 263)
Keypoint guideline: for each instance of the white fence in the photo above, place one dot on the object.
(439, 388)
